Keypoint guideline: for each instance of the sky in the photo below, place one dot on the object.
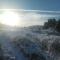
(33, 12)
(32, 4)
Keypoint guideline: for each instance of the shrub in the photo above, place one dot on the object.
(51, 23)
(35, 56)
(58, 26)
(1, 52)
(44, 45)
(55, 47)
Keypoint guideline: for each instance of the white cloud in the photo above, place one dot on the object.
(46, 11)
(34, 17)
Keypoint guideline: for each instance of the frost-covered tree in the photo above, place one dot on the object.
(58, 26)
(51, 23)
(1, 52)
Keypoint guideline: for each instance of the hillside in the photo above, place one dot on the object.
(36, 41)
(30, 43)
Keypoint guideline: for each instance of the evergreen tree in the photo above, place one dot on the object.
(58, 26)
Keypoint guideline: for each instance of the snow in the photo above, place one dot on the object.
(9, 49)
(28, 41)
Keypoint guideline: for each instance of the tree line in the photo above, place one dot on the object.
(53, 23)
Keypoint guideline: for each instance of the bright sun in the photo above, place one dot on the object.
(10, 18)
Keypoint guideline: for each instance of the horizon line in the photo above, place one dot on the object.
(43, 11)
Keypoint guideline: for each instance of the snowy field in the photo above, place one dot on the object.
(31, 43)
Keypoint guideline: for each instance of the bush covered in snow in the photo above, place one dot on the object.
(36, 45)
(55, 47)
(35, 56)
(30, 49)
(1, 53)
(44, 45)
(53, 23)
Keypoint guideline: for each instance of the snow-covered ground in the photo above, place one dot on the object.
(26, 42)
(8, 48)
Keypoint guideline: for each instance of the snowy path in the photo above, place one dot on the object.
(9, 49)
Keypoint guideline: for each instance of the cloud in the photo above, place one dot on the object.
(34, 17)
(45, 11)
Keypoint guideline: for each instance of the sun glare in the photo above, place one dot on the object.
(10, 18)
